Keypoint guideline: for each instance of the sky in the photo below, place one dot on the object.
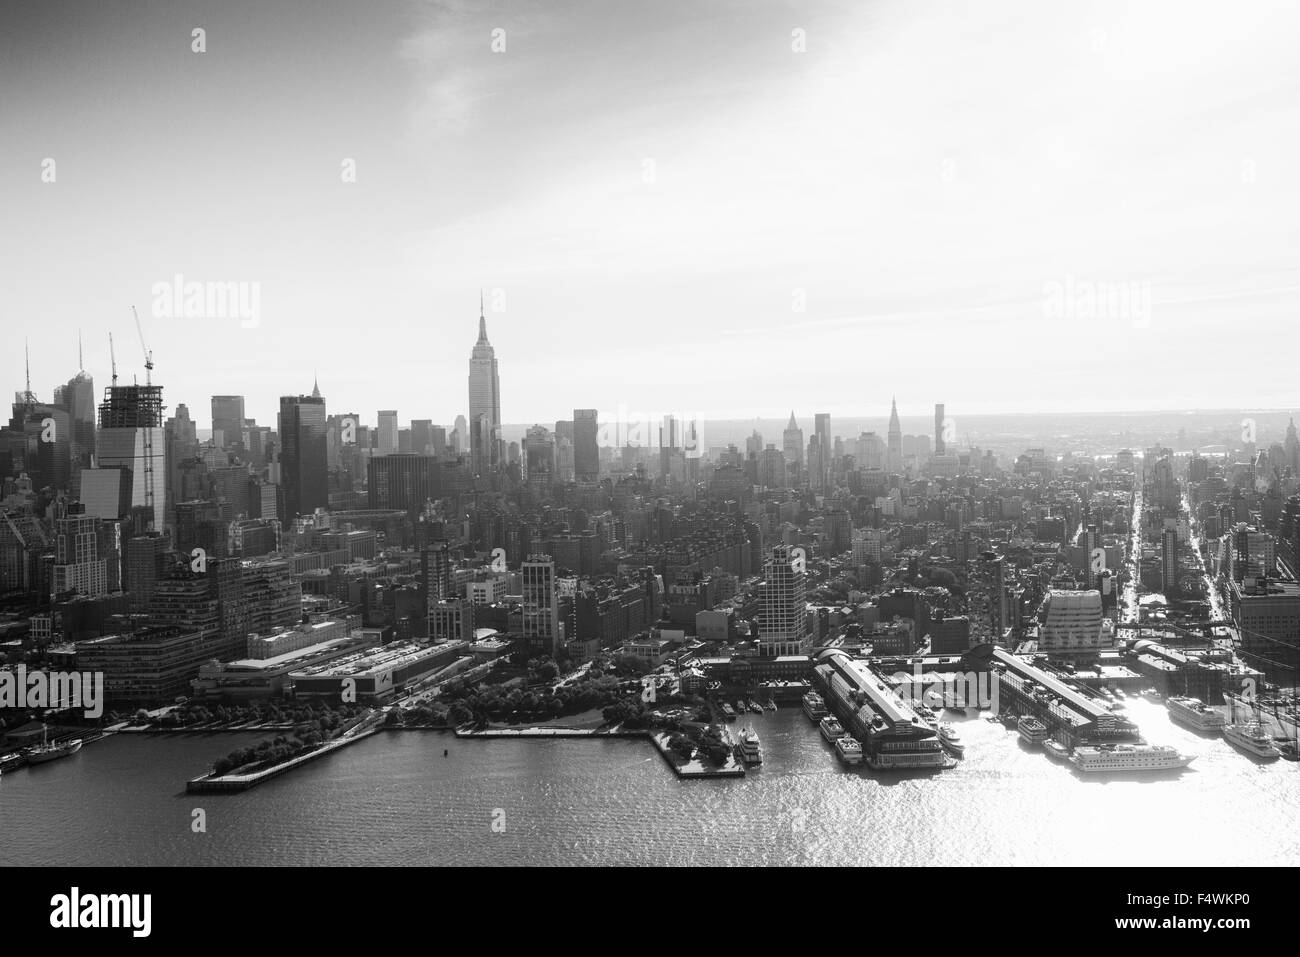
(727, 209)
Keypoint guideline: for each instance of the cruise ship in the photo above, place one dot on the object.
(814, 706)
(751, 752)
(1251, 738)
(1195, 713)
(1032, 730)
(832, 730)
(849, 750)
(1128, 758)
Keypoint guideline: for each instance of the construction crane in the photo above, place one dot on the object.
(149, 425)
(148, 356)
(112, 357)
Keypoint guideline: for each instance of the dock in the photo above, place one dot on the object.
(211, 783)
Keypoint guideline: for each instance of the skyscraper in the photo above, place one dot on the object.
(940, 447)
(792, 442)
(822, 430)
(894, 459)
(484, 402)
(586, 447)
(781, 629)
(304, 469)
(228, 421)
(541, 608)
(387, 431)
(131, 437)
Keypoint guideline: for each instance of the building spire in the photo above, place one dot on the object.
(315, 385)
(81, 359)
(482, 321)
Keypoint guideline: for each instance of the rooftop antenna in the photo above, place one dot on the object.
(28, 398)
(81, 358)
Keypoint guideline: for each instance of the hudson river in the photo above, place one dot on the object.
(395, 799)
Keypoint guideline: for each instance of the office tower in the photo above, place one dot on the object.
(451, 620)
(460, 435)
(180, 437)
(144, 568)
(822, 430)
(894, 455)
(228, 421)
(131, 437)
(78, 399)
(586, 448)
(541, 607)
(422, 437)
(437, 441)
(1169, 560)
(1071, 622)
(23, 544)
(402, 480)
(781, 629)
(772, 468)
(484, 402)
(304, 470)
(754, 443)
(539, 457)
(1253, 553)
(387, 441)
(791, 442)
(940, 447)
(838, 530)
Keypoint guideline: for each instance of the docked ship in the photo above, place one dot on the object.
(1251, 738)
(728, 710)
(814, 706)
(751, 752)
(40, 753)
(849, 750)
(1032, 730)
(1055, 749)
(755, 707)
(951, 740)
(1128, 758)
(832, 730)
(1195, 713)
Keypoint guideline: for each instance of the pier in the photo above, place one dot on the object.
(211, 783)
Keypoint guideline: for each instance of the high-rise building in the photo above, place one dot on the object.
(387, 442)
(1169, 560)
(940, 447)
(541, 606)
(484, 402)
(80, 566)
(825, 450)
(894, 454)
(78, 398)
(402, 480)
(781, 629)
(586, 445)
(304, 470)
(131, 437)
(791, 442)
(228, 421)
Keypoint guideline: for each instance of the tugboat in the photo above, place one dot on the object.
(40, 753)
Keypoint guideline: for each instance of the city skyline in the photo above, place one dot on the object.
(698, 234)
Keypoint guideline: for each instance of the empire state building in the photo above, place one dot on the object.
(484, 402)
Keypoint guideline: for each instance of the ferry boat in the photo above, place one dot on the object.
(832, 730)
(1195, 713)
(1032, 730)
(1128, 758)
(1056, 749)
(849, 749)
(814, 706)
(951, 740)
(40, 753)
(751, 752)
(1251, 738)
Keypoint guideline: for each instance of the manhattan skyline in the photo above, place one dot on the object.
(700, 220)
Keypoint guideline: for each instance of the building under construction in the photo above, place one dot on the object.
(131, 407)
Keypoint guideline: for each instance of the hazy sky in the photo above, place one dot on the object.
(656, 189)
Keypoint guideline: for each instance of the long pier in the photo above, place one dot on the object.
(210, 782)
